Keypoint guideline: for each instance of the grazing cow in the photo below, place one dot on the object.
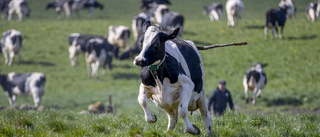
(77, 5)
(98, 52)
(119, 37)
(289, 5)
(137, 23)
(19, 7)
(313, 10)
(145, 5)
(11, 43)
(255, 80)
(234, 9)
(172, 75)
(215, 11)
(4, 8)
(166, 19)
(77, 45)
(15, 84)
(275, 18)
(60, 6)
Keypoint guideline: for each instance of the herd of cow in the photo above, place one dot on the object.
(172, 72)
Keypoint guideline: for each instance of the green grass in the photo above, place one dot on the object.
(293, 82)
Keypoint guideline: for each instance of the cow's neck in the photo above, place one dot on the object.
(157, 71)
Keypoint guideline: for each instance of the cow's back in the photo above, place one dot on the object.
(190, 60)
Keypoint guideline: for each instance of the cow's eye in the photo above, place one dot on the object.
(156, 46)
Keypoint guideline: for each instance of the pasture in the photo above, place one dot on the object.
(293, 74)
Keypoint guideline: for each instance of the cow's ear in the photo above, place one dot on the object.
(145, 26)
(174, 33)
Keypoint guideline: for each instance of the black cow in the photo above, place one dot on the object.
(15, 84)
(255, 80)
(274, 18)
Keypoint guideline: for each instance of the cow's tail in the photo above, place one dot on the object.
(222, 45)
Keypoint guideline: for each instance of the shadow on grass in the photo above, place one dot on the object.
(48, 64)
(303, 37)
(126, 76)
(283, 101)
(254, 27)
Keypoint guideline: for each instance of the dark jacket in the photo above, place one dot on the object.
(219, 100)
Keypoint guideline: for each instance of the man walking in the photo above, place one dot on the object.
(219, 99)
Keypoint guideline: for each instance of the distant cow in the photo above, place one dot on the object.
(77, 5)
(20, 7)
(15, 84)
(11, 44)
(98, 52)
(137, 23)
(166, 19)
(313, 10)
(172, 75)
(215, 11)
(61, 6)
(119, 37)
(234, 9)
(77, 45)
(289, 6)
(145, 5)
(275, 18)
(255, 80)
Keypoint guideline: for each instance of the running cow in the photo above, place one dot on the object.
(274, 18)
(255, 80)
(11, 44)
(172, 75)
(15, 84)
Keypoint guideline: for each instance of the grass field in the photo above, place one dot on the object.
(293, 74)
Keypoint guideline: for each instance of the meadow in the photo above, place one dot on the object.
(289, 105)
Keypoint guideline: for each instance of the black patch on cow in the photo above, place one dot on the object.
(253, 73)
(82, 40)
(17, 40)
(40, 82)
(264, 75)
(19, 80)
(193, 62)
(146, 77)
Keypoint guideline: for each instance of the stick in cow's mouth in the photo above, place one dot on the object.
(222, 45)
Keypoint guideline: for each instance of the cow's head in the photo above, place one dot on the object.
(153, 45)
(50, 5)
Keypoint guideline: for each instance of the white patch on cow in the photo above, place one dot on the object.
(75, 34)
(290, 7)
(158, 14)
(114, 36)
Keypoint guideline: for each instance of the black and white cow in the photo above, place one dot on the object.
(215, 11)
(77, 5)
(61, 7)
(166, 19)
(98, 52)
(4, 8)
(255, 80)
(234, 9)
(15, 84)
(119, 37)
(172, 75)
(145, 5)
(11, 44)
(313, 10)
(137, 24)
(20, 7)
(274, 18)
(289, 5)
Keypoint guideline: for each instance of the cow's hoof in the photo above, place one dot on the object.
(153, 120)
(196, 132)
(247, 101)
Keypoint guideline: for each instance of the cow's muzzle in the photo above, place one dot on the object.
(139, 61)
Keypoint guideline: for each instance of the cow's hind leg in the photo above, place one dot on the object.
(204, 112)
(266, 32)
(185, 96)
(255, 92)
(143, 101)
(281, 33)
(173, 119)
(5, 54)
(11, 58)
(245, 86)
(36, 96)
(259, 93)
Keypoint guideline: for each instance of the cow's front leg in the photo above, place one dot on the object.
(5, 54)
(19, 57)
(89, 69)
(173, 119)
(143, 101)
(185, 96)
(11, 58)
(95, 69)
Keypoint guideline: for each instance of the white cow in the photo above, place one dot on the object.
(255, 79)
(234, 9)
(15, 84)
(19, 7)
(11, 43)
(289, 4)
